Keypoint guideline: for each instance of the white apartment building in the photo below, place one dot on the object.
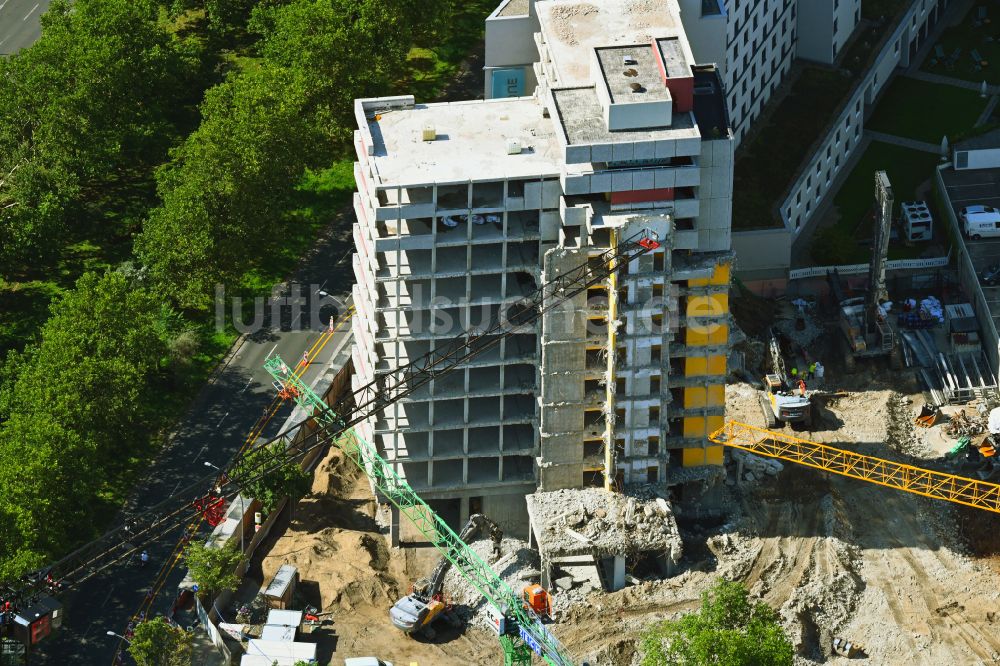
(461, 206)
(752, 42)
(755, 41)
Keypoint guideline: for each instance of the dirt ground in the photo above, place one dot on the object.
(912, 580)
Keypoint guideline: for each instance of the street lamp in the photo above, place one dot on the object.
(243, 508)
(111, 633)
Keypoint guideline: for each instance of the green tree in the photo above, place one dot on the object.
(80, 405)
(283, 478)
(157, 643)
(342, 49)
(84, 114)
(727, 630)
(214, 569)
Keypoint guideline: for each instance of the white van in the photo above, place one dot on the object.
(980, 221)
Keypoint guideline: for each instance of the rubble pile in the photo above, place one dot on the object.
(602, 523)
(517, 566)
(755, 467)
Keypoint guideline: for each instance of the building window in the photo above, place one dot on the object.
(857, 16)
(895, 47)
(834, 26)
(808, 207)
(829, 152)
(798, 198)
(809, 182)
(857, 106)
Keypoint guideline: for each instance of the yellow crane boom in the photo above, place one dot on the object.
(925, 482)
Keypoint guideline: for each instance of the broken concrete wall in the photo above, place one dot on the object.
(562, 375)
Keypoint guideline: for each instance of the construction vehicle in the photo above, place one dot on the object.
(780, 401)
(424, 605)
(866, 331)
(520, 631)
(538, 599)
(846, 648)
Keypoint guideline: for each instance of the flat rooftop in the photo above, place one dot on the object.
(471, 142)
(573, 28)
(582, 120)
(593, 520)
(632, 74)
(513, 8)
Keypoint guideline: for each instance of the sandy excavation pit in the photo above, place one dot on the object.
(912, 580)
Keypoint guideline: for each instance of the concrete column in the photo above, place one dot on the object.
(618, 575)
(394, 526)
(463, 511)
(546, 572)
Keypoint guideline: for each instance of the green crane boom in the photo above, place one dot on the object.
(523, 630)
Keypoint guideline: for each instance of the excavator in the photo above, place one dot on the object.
(780, 401)
(517, 622)
(424, 605)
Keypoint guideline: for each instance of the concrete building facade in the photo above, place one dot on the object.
(464, 206)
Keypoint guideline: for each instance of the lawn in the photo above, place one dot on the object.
(964, 38)
(907, 170)
(926, 111)
(770, 158)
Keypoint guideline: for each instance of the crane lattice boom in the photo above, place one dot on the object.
(924, 482)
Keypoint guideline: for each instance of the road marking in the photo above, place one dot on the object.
(200, 451)
(2, 5)
(271, 352)
(249, 382)
(110, 592)
(28, 15)
(222, 419)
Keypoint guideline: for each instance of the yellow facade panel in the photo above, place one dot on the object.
(721, 275)
(713, 455)
(693, 457)
(694, 366)
(694, 426)
(698, 282)
(694, 397)
(715, 422)
(716, 365)
(716, 396)
(718, 335)
(697, 336)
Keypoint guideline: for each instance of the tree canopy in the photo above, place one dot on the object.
(74, 406)
(728, 630)
(158, 643)
(213, 569)
(81, 110)
(284, 479)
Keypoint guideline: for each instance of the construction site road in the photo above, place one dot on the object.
(214, 430)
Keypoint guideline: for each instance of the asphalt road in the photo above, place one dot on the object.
(19, 24)
(222, 415)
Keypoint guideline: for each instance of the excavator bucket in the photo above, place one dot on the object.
(928, 416)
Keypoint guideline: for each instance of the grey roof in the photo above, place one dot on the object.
(990, 139)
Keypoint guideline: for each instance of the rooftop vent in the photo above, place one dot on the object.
(631, 72)
(629, 60)
(429, 133)
(636, 87)
(513, 147)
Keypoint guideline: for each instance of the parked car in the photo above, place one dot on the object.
(980, 221)
(990, 275)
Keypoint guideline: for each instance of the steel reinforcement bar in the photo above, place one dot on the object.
(924, 482)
